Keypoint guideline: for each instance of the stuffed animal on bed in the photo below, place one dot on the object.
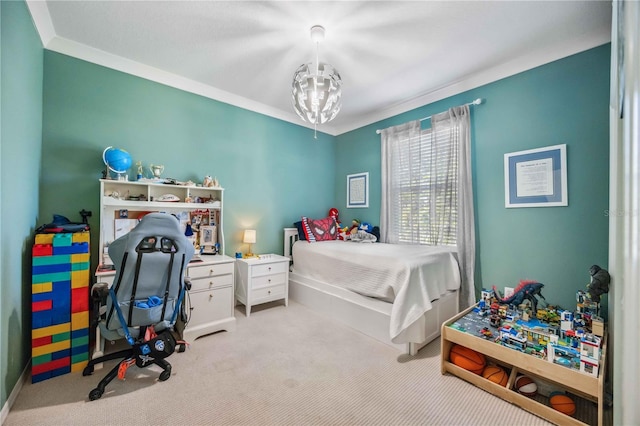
(364, 226)
(334, 213)
(355, 224)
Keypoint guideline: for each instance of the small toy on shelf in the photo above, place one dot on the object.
(140, 173)
(599, 283)
(485, 332)
(525, 290)
(495, 320)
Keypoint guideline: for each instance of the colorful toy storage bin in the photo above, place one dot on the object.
(59, 304)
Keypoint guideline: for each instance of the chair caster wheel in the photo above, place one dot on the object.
(164, 375)
(88, 370)
(95, 394)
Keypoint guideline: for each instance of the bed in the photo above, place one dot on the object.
(397, 294)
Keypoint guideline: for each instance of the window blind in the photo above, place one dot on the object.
(425, 188)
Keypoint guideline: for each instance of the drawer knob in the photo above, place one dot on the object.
(269, 279)
(269, 267)
(269, 292)
(210, 283)
(210, 296)
(211, 271)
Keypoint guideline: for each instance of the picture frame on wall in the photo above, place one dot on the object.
(358, 190)
(536, 177)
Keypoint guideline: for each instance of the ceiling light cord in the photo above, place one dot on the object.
(315, 91)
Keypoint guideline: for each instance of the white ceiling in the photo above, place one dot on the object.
(393, 56)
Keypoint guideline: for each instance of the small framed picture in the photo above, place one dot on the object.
(536, 177)
(358, 190)
(208, 236)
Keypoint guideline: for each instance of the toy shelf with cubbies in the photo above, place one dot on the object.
(587, 389)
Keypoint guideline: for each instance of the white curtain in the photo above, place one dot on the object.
(457, 121)
(392, 143)
(448, 197)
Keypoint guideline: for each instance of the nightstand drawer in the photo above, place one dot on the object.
(269, 268)
(268, 293)
(210, 270)
(268, 280)
(208, 283)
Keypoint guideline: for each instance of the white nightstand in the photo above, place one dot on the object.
(262, 279)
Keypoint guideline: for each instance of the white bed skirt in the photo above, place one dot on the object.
(369, 316)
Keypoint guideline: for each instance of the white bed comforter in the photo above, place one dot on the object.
(409, 276)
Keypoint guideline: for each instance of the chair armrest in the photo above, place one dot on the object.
(99, 294)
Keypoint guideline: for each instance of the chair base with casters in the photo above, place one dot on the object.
(133, 355)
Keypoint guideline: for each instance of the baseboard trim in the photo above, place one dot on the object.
(4, 413)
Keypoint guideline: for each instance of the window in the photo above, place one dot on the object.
(424, 175)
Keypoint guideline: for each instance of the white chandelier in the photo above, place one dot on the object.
(317, 88)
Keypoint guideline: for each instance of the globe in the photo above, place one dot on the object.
(117, 160)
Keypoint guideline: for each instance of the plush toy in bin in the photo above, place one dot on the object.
(495, 374)
(467, 358)
(526, 386)
(562, 402)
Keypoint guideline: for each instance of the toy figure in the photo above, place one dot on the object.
(355, 224)
(140, 170)
(334, 213)
(364, 226)
(525, 290)
(599, 284)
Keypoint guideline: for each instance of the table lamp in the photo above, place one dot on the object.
(249, 238)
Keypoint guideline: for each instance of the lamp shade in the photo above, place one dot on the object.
(249, 236)
(317, 92)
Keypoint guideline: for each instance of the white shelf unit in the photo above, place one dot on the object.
(116, 196)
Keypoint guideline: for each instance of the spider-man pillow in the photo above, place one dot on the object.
(320, 229)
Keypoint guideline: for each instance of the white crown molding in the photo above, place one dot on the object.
(42, 20)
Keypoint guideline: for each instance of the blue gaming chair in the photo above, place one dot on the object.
(144, 301)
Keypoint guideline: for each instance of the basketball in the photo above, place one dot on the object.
(562, 403)
(467, 358)
(495, 374)
(526, 386)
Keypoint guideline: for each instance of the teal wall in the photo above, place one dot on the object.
(272, 171)
(564, 102)
(21, 124)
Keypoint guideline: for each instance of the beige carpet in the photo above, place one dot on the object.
(282, 366)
